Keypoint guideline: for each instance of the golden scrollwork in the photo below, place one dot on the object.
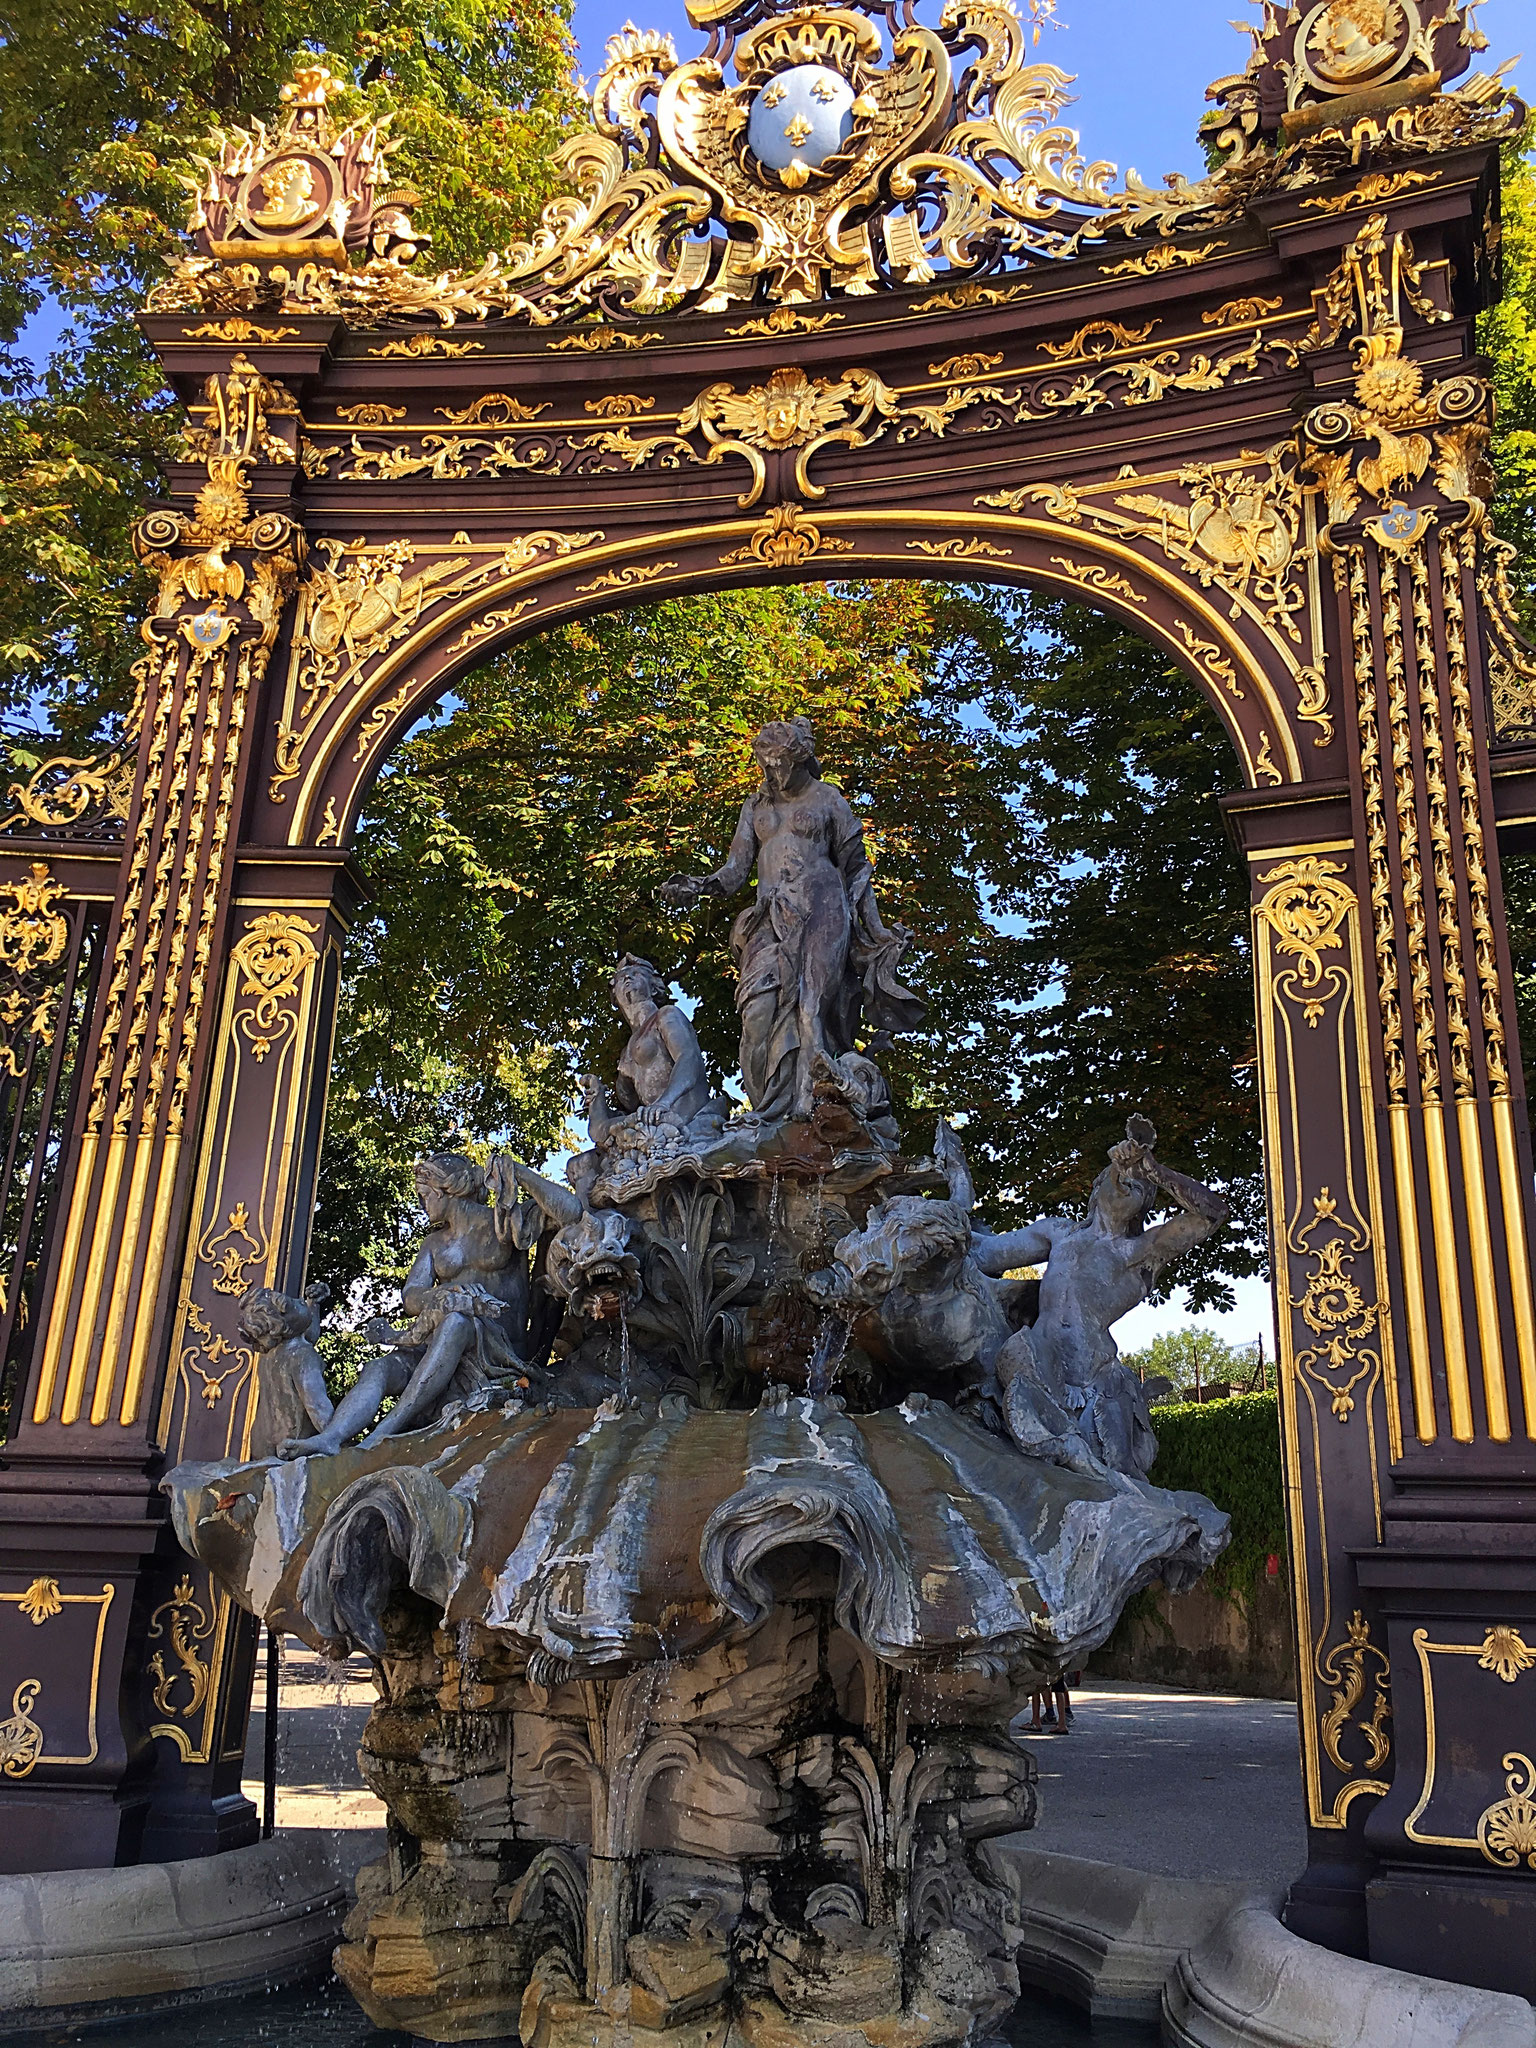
(625, 579)
(972, 365)
(235, 418)
(1094, 576)
(704, 183)
(34, 934)
(620, 405)
(1306, 906)
(33, 930)
(231, 1254)
(1506, 1831)
(1238, 528)
(71, 790)
(1350, 573)
(1165, 256)
(373, 726)
(41, 1601)
(1098, 338)
(1240, 312)
(1312, 701)
(491, 622)
(790, 412)
(492, 409)
(1212, 663)
(419, 345)
(271, 957)
(600, 340)
(1344, 1668)
(1373, 190)
(1234, 524)
(21, 1737)
(190, 1624)
(370, 414)
(360, 603)
(1334, 1307)
(450, 456)
(1506, 1653)
(966, 298)
(209, 1347)
(1457, 557)
(785, 539)
(959, 550)
(785, 320)
(237, 329)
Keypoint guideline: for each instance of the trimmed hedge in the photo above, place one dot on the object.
(1230, 1452)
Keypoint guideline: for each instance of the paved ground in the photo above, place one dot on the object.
(320, 1723)
(1188, 1784)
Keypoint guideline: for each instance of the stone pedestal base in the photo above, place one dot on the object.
(92, 1944)
(1482, 1928)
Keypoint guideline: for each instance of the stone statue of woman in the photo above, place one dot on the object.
(811, 950)
(662, 1075)
(467, 1297)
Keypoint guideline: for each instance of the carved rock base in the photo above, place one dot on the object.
(777, 1838)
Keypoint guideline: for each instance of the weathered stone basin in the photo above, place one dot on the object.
(688, 1714)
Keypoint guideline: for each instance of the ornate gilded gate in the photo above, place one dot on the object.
(835, 298)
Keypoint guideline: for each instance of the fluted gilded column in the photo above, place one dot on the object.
(83, 1456)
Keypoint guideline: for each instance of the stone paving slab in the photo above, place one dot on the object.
(1187, 1784)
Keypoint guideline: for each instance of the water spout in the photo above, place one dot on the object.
(827, 1356)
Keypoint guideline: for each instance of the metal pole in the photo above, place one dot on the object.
(269, 1738)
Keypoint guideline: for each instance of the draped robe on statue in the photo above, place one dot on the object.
(811, 950)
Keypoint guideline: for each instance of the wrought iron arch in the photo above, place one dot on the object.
(1246, 416)
(1196, 635)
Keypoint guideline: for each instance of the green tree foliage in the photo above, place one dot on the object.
(1192, 1358)
(1023, 769)
(102, 109)
(1507, 335)
(1230, 1452)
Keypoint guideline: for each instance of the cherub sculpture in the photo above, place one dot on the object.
(290, 1373)
(468, 1299)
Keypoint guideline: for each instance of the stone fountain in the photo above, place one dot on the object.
(708, 1517)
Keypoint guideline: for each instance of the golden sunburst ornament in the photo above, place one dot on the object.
(1391, 386)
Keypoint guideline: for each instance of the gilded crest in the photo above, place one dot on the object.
(1349, 45)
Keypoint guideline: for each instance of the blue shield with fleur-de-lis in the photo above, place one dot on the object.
(804, 114)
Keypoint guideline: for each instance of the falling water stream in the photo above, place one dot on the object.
(827, 1355)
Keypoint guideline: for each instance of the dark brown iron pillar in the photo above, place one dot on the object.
(139, 1671)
